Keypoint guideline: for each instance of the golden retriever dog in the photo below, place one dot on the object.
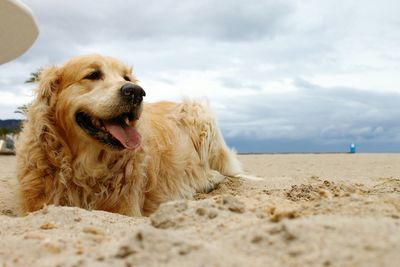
(89, 141)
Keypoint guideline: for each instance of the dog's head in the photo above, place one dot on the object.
(94, 99)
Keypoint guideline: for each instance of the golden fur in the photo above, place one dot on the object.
(182, 150)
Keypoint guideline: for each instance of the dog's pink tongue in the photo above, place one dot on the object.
(127, 136)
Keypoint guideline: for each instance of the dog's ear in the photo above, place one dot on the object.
(49, 81)
(40, 120)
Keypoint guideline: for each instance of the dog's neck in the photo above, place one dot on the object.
(96, 163)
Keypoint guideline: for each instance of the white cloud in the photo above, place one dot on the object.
(315, 70)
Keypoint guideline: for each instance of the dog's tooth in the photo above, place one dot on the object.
(96, 123)
(126, 120)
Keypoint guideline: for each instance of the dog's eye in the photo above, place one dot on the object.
(95, 75)
(126, 78)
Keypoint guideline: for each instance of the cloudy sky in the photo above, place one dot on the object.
(281, 75)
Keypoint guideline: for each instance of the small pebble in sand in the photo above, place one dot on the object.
(212, 213)
(48, 226)
(233, 204)
(283, 213)
(201, 211)
(92, 230)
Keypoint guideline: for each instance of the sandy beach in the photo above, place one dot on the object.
(306, 210)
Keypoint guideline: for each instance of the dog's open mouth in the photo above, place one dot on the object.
(115, 132)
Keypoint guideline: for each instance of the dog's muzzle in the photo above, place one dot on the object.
(118, 130)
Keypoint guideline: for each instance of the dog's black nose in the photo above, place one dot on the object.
(133, 92)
